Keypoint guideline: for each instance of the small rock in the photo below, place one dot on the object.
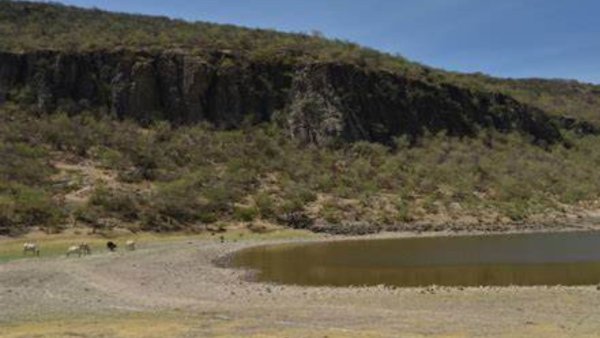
(455, 206)
(222, 317)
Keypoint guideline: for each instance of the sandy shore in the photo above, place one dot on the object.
(175, 284)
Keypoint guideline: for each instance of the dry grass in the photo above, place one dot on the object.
(129, 325)
(164, 325)
(183, 324)
(56, 245)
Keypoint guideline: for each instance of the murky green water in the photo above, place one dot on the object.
(525, 259)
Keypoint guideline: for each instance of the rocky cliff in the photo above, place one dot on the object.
(318, 102)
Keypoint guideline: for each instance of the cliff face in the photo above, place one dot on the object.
(318, 102)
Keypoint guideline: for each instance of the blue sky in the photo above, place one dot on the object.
(508, 38)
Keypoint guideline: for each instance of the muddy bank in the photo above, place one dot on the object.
(578, 223)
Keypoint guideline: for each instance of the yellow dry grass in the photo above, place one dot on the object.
(166, 324)
(181, 324)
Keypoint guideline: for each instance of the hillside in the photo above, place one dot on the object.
(117, 120)
(29, 27)
(557, 97)
(60, 59)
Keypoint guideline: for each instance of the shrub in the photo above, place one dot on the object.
(9, 222)
(403, 211)
(297, 220)
(118, 203)
(265, 204)
(245, 214)
(158, 222)
(332, 213)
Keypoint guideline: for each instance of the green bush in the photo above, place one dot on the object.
(117, 203)
(22, 207)
(245, 214)
(403, 211)
(9, 222)
(266, 206)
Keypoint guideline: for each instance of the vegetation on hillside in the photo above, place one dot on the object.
(558, 97)
(164, 178)
(26, 27)
(191, 177)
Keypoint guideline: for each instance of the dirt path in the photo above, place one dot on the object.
(179, 277)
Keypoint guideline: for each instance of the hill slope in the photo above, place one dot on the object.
(30, 27)
(557, 97)
(227, 119)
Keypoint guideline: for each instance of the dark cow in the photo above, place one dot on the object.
(111, 246)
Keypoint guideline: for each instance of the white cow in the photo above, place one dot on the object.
(130, 245)
(31, 247)
(74, 249)
(82, 249)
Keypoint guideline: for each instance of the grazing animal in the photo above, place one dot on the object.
(31, 247)
(83, 249)
(74, 249)
(111, 246)
(130, 244)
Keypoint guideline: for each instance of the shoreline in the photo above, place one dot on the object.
(178, 276)
(225, 261)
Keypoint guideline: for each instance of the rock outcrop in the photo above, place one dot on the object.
(319, 102)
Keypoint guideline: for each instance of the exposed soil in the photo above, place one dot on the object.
(181, 276)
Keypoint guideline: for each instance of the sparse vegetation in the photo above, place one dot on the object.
(26, 27)
(559, 97)
(58, 27)
(200, 175)
(181, 177)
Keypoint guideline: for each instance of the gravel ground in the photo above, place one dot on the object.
(181, 276)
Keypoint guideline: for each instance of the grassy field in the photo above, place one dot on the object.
(53, 246)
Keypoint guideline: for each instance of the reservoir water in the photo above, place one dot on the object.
(490, 260)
